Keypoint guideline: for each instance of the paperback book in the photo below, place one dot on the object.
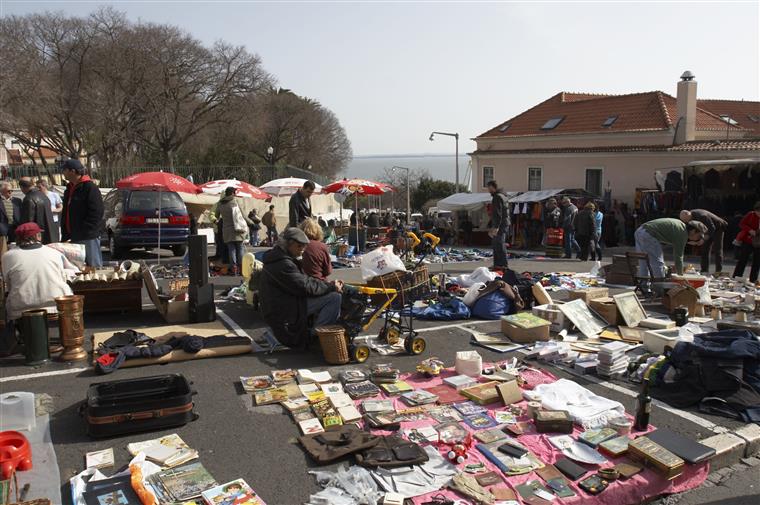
(236, 492)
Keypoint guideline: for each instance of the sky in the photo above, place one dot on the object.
(395, 71)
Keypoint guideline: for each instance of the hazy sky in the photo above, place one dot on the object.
(393, 72)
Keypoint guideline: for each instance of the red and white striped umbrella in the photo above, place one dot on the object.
(244, 190)
(361, 186)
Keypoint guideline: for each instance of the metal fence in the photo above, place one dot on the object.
(107, 177)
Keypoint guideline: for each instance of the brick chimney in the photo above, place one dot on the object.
(686, 102)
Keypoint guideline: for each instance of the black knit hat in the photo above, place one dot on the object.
(75, 165)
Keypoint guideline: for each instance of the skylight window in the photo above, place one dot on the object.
(609, 121)
(504, 127)
(728, 119)
(552, 123)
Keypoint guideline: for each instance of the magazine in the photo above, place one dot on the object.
(236, 492)
(181, 483)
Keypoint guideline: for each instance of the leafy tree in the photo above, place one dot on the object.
(433, 189)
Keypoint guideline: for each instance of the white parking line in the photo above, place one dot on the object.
(461, 326)
(42, 374)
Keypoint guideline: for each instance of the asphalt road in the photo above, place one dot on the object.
(235, 439)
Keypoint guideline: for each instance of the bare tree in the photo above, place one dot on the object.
(189, 87)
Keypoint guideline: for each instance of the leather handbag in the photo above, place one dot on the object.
(326, 447)
(392, 451)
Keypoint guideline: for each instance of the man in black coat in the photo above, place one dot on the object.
(288, 297)
(716, 230)
(500, 223)
(82, 215)
(10, 215)
(36, 209)
(299, 207)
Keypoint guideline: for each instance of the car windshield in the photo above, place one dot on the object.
(148, 200)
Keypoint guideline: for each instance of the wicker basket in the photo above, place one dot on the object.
(410, 287)
(332, 339)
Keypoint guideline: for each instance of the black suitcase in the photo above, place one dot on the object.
(135, 405)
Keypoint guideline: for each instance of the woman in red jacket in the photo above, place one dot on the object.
(316, 257)
(750, 228)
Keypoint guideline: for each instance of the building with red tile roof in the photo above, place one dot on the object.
(614, 142)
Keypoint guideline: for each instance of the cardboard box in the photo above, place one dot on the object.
(608, 309)
(551, 313)
(588, 294)
(173, 311)
(681, 295)
(525, 335)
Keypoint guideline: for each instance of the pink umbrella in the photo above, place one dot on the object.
(163, 181)
(244, 190)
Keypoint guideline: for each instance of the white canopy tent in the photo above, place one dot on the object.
(464, 201)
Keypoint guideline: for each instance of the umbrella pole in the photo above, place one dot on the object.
(356, 201)
(158, 251)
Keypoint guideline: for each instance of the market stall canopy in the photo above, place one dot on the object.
(244, 190)
(466, 201)
(286, 186)
(539, 196)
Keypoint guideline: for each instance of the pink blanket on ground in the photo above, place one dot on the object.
(647, 484)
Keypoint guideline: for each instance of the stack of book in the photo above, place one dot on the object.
(612, 359)
(283, 377)
(384, 373)
(460, 381)
(365, 389)
(419, 397)
(353, 376)
(179, 485)
(396, 387)
(306, 376)
(377, 406)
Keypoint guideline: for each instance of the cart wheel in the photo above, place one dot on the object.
(359, 353)
(415, 345)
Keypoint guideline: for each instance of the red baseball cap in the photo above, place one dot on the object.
(27, 230)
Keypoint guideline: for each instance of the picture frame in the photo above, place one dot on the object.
(586, 321)
(630, 308)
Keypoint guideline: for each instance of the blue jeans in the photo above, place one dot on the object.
(272, 235)
(254, 237)
(571, 245)
(92, 254)
(651, 246)
(235, 250)
(500, 249)
(325, 309)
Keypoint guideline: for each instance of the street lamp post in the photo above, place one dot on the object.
(270, 158)
(408, 205)
(456, 141)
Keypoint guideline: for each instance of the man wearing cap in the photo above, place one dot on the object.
(82, 214)
(289, 297)
(36, 209)
(33, 275)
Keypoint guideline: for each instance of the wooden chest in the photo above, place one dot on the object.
(114, 296)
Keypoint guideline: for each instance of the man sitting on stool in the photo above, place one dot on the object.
(288, 297)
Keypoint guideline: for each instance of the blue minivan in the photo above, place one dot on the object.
(132, 221)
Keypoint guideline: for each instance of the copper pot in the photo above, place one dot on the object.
(71, 326)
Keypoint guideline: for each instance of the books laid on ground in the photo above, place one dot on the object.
(594, 437)
(179, 452)
(99, 459)
(491, 435)
(418, 397)
(306, 376)
(396, 388)
(460, 381)
(236, 492)
(383, 373)
(340, 400)
(422, 435)
(494, 342)
(267, 396)
(469, 408)
(364, 389)
(256, 383)
(351, 376)
(297, 405)
(349, 414)
(182, 483)
(525, 320)
(282, 377)
(444, 414)
(480, 421)
(377, 406)
(331, 388)
(446, 394)
(482, 394)
(310, 426)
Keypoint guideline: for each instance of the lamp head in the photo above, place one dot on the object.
(431, 136)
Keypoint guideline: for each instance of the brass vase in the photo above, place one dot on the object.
(71, 326)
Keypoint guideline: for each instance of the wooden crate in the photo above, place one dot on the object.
(410, 287)
(114, 296)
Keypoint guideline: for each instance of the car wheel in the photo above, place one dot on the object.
(179, 250)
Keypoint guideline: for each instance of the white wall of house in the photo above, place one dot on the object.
(623, 171)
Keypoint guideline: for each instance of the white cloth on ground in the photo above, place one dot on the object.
(411, 481)
(586, 408)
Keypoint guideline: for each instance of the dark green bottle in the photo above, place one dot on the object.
(643, 408)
